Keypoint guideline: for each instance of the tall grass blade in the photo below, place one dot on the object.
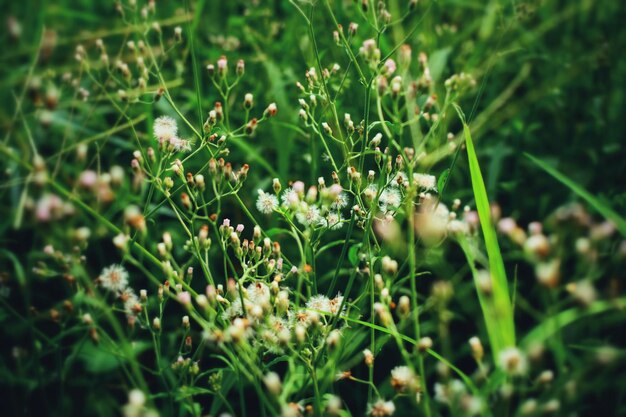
(499, 315)
(600, 206)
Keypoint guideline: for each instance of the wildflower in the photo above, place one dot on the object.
(290, 198)
(537, 245)
(404, 307)
(319, 302)
(477, 348)
(180, 145)
(425, 343)
(368, 357)
(114, 278)
(432, 221)
(222, 66)
(376, 140)
(335, 304)
(333, 406)
(271, 110)
(389, 67)
(583, 291)
(404, 379)
(184, 297)
(308, 215)
(512, 361)
(258, 293)
(131, 302)
(381, 408)
(272, 382)
(333, 221)
(248, 101)
(425, 181)
(266, 203)
(548, 273)
(390, 199)
(340, 201)
(165, 129)
(333, 338)
(368, 48)
(390, 266)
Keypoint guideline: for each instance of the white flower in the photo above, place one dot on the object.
(165, 128)
(258, 293)
(308, 215)
(399, 179)
(131, 301)
(319, 303)
(390, 199)
(332, 220)
(403, 378)
(114, 278)
(335, 304)
(381, 408)
(234, 309)
(428, 182)
(340, 202)
(513, 361)
(370, 192)
(180, 145)
(272, 382)
(266, 203)
(290, 198)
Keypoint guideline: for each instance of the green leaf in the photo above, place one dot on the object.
(443, 177)
(600, 206)
(353, 254)
(497, 310)
(97, 360)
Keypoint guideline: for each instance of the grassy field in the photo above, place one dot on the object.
(312, 208)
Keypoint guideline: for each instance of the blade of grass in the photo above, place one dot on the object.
(600, 206)
(546, 329)
(499, 317)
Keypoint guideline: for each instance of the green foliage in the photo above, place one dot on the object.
(298, 233)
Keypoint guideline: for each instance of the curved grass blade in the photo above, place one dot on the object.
(499, 315)
(600, 206)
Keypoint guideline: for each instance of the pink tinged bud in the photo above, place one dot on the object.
(390, 66)
(184, 297)
(222, 66)
(298, 187)
(211, 292)
(272, 109)
(241, 66)
(239, 228)
(226, 223)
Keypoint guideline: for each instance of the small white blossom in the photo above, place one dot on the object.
(266, 202)
(131, 301)
(381, 408)
(308, 215)
(403, 378)
(513, 361)
(425, 181)
(390, 199)
(165, 128)
(340, 202)
(114, 278)
(258, 293)
(319, 302)
(290, 198)
(332, 220)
